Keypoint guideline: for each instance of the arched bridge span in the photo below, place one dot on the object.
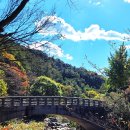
(88, 113)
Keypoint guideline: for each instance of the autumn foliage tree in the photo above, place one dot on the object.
(16, 77)
(3, 84)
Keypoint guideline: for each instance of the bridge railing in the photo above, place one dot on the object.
(12, 101)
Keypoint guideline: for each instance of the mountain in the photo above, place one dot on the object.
(38, 63)
(35, 63)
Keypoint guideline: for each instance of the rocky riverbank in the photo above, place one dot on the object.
(52, 123)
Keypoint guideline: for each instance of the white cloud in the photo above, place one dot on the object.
(98, 3)
(95, 2)
(58, 25)
(69, 57)
(51, 49)
(128, 1)
(127, 47)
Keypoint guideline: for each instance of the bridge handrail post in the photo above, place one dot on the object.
(52, 101)
(21, 100)
(59, 101)
(83, 102)
(29, 101)
(78, 104)
(94, 103)
(45, 101)
(101, 104)
(65, 101)
(12, 102)
(3, 102)
(37, 101)
(71, 101)
(88, 102)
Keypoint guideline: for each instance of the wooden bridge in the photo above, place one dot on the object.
(88, 113)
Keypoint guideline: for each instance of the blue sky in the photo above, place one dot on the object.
(87, 27)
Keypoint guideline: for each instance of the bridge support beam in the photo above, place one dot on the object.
(11, 113)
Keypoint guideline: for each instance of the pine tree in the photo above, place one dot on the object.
(118, 73)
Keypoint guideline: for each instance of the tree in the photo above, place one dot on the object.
(3, 84)
(67, 90)
(18, 25)
(14, 74)
(93, 94)
(118, 72)
(118, 80)
(3, 88)
(45, 86)
(13, 13)
(19, 22)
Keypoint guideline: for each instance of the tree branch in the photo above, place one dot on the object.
(12, 16)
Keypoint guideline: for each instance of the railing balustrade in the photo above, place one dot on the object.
(15, 101)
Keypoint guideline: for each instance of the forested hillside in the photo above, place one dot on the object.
(29, 64)
(38, 63)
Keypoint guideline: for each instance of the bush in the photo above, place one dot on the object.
(20, 125)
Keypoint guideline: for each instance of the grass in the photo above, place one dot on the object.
(20, 125)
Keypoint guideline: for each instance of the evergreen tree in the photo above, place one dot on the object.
(118, 73)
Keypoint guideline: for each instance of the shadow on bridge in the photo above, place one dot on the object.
(90, 114)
